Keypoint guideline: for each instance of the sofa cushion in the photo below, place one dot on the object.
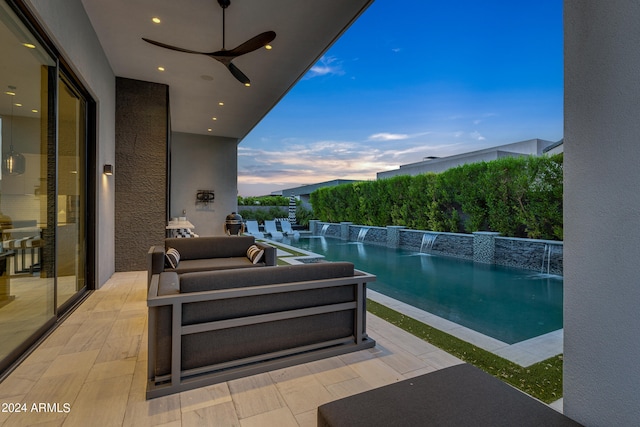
(213, 264)
(226, 279)
(255, 254)
(172, 258)
(211, 246)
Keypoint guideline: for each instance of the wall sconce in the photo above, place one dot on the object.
(107, 169)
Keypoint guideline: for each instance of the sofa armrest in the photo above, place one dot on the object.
(155, 258)
(270, 253)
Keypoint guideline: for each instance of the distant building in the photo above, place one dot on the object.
(303, 192)
(531, 147)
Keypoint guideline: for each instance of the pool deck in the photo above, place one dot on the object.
(524, 353)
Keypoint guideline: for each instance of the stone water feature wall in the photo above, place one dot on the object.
(543, 256)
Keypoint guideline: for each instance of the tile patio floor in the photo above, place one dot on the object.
(96, 363)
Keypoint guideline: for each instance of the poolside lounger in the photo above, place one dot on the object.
(254, 229)
(270, 228)
(287, 230)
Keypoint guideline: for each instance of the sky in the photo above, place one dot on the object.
(413, 79)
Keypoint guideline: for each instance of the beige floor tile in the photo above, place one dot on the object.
(440, 359)
(376, 372)
(349, 388)
(161, 410)
(300, 389)
(255, 395)
(401, 361)
(116, 368)
(205, 396)
(279, 418)
(59, 389)
(331, 371)
(100, 403)
(127, 327)
(223, 414)
(119, 348)
(408, 342)
(73, 363)
(308, 419)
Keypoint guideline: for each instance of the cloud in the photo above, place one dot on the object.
(386, 136)
(326, 65)
(476, 135)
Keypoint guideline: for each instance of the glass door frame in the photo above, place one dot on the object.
(63, 68)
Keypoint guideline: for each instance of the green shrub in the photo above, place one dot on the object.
(515, 196)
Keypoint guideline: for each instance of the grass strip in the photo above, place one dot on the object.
(542, 380)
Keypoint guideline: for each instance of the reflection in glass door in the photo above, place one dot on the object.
(70, 235)
(26, 289)
(43, 188)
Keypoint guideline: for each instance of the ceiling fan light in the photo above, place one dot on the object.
(268, 47)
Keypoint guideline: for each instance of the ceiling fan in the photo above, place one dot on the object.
(226, 56)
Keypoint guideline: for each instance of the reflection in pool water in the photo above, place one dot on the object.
(508, 304)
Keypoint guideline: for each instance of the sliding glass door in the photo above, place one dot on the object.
(43, 187)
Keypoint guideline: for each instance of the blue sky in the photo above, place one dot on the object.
(413, 79)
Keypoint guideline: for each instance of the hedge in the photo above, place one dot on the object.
(515, 196)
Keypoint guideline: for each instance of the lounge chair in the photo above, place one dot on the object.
(272, 230)
(287, 230)
(254, 230)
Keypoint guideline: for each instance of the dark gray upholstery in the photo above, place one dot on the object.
(245, 315)
(461, 395)
(208, 254)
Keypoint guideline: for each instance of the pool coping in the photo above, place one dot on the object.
(524, 353)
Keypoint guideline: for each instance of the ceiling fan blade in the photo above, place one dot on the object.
(238, 74)
(261, 40)
(179, 49)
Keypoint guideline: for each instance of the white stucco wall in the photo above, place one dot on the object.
(602, 212)
(69, 27)
(201, 162)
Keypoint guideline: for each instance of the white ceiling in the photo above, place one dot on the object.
(305, 29)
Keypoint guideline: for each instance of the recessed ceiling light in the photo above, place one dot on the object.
(34, 111)
(29, 45)
(214, 118)
(221, 103)
(160, 68)
(209, 130)
(156, 20)
(268, 47)
(247, 84)
(10, 93)
(18, 104)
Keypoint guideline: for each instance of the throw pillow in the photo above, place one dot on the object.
(172, 258)
(254, 254)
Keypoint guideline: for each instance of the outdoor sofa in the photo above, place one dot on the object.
(208, 254)
(214, 326)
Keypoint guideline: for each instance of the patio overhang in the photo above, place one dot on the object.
(198, 84)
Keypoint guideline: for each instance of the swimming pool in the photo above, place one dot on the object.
(505, 303)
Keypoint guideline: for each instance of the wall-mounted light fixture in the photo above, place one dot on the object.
(107, 169)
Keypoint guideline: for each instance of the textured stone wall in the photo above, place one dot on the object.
(543, 256)
(142, 129)
(539, 255)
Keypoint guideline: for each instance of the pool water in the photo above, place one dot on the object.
(505, 303)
